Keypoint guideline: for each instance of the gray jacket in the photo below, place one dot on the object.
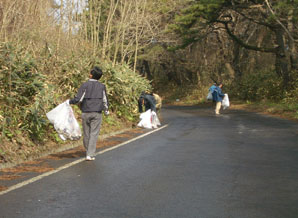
(92, 95)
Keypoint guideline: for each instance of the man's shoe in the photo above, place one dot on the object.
(90, 158)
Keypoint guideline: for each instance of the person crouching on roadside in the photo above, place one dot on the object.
(147, 100)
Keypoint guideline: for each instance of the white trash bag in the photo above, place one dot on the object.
(149, 120)
(64, 121)
(155, 120)
(209, 96)
(225, 102)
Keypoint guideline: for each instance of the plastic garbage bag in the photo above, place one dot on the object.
(155, 120)
(209, 96)
(225, 102)
(149, 120)
(146, 118)
(64, 121)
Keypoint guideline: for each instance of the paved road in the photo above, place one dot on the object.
(239, 164)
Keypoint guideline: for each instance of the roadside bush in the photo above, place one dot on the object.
(257, 86)
(124, 86)
(23, 94)
(291, 95)
(42, 65)
(29, 88)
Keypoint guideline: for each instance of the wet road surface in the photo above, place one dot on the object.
(238, 164)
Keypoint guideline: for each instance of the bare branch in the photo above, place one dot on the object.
(278, 21)
(242, 43)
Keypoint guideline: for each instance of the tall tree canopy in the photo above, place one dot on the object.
(278, 17)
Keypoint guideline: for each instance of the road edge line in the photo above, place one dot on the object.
(34, 179)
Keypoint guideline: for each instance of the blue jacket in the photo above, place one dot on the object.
(217, 94)
(212, 88)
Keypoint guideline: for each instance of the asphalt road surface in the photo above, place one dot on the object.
(238, 164)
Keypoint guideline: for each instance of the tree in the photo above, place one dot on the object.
(203, 16)
(119, 28)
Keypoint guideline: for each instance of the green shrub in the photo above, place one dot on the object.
(291, 95)
(257, 86)
(30, 88)
(124, 87)
(22, 95)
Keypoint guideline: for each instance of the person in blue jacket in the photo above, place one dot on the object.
(218, 97)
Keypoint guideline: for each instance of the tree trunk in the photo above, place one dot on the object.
(108, 30)
(147, 70)
(61, 24)
(236, 61)
(281, 61)
(230, 69)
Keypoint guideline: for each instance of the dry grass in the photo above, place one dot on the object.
(10, 177)
(33, 162)
(3, 188)
(124, 135)
(276, 110)
(107, 143)
(21, 169)
(67, 154)
(137, 130)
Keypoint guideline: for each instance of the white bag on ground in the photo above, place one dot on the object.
(64, 121)
(225, 102)
(149, 120)
(155, 120)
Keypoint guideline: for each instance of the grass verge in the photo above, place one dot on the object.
(282, 110)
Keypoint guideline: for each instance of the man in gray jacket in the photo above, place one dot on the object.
(93, 98)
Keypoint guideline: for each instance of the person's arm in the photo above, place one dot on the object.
(221, 94)
(79, 95)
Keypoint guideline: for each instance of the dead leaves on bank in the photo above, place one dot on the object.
(23, 169)
(3, 188)
(10, 177)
